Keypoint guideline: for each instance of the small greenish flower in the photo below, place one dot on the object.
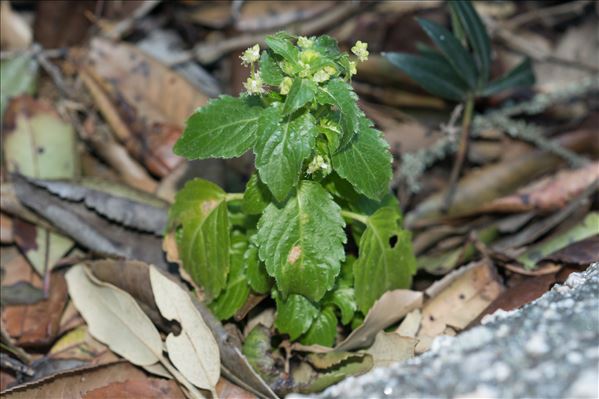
(308, 56)
(286, 67)
(360, 50)
(305, 72)
(331, 70)
(352, 68)
(318, 163)
(251, 55)
(285, 85)
(321, 76)
(304, 42)
(254, 85)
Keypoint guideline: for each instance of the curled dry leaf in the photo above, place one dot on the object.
(194, 351)
(390, 308)
(144, 101)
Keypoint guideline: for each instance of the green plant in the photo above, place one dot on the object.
(460, 68)
(320, 163)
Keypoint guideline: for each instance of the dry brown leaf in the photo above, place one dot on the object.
(270, 15)
(15, 33)
(147, 102)
(548, 194)
(227, 390)
(459, 298)
(388, 309)
(75, 383)
(148, 388)
(37, 324)
(6, 229)
(389, 348)
(411, 324)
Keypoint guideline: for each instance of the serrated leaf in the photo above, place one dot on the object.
(435, 75)
(301, 242)
(386, 260)
(256, 196)
(255, 271)
(477, 36)
(194, 350)
(295, 315)
(281, 148)
(339, 94)
(521, 76)
(281, 44)
(344, 300)
(459, 58)
(301, 92)
(327, 46)
(223, 128)
(204, 242)
(347, 196)
(366, 162)
(270, 72)
(323, 329)
(236, 293)
(310, 381)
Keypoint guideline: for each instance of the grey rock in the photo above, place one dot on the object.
(547, 349)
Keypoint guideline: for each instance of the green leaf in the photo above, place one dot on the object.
(311, 381)
(323, 330)
(223, 128)
(327, 46)
(301, 242)
(339, 94)
(281, 148)
(366, 162)
(294, 315)
(255, 271)
(280, 43)
(521, 76)
(435, 75)
(258, 351)
(18, 76)
(234, 296)
(347, 196)
(476, 34)
(204, 242)
(459, 58)
(344, 300)
(386, 261)
(301, 92)
(270, 72)
(256, 196)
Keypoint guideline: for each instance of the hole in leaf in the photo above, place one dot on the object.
(393, 240)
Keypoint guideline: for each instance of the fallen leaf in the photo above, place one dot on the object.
(459, 298)
(270, 15)
(79, 344)
(21, 293)
(148, 388)
(411, 324)
(147, 103)
(227, 390)
(389, 348)
(15, 31)
(194, 351)
(75, 383)
(6, 229)
(18, 75)
(580, 253)
(88, 228)
(548, 194)
(37, 324)
(388, 309)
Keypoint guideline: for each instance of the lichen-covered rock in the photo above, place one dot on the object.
(547, 349)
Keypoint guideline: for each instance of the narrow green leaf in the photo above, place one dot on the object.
(302, 91)
(521, 76)
(255, 271)
(323, 329)
(476, 34)
(366, 162)
(235, 294)
(270, 72)
(340, 95)
(281, 148)
(435, 75)
(281, 44)
(386, 260)
(294, 315)
(459, 58)
(344, 300)
(204, 241)
(256, 196)
(223, 128)
(301, 241)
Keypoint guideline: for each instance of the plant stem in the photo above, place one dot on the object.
(233, 197)
(461, 154)
(354, 216)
